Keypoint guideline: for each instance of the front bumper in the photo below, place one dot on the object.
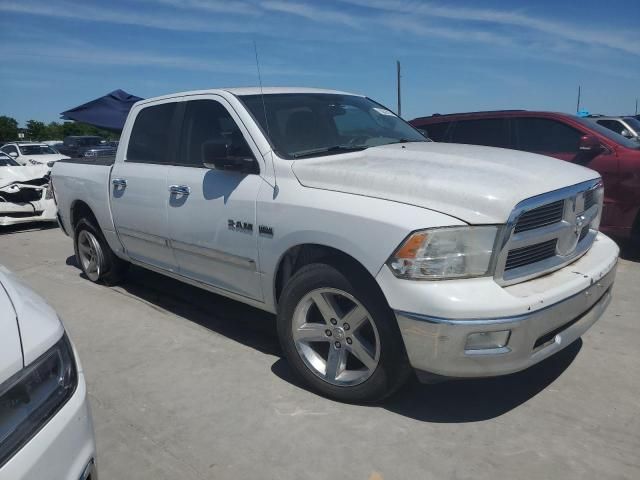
(542, 316)
(16, 213)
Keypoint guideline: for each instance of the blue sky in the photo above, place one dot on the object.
(456, 55)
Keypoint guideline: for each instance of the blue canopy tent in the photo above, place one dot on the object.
(108, 112)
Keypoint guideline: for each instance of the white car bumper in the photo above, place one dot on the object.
(64, 449)
(537, 318)
(15, 213)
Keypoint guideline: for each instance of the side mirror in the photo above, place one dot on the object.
(626, 133)
(13, 154)
(218, 156)
(590, 144)
(424, 132)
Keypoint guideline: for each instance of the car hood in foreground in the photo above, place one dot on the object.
(40, 327)
(479, 185)
(10, 350)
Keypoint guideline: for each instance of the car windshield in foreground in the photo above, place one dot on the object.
(304, 125)
(37, 150)
(610, 134)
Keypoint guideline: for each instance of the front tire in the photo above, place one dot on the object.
(95, 257)
(340, 336)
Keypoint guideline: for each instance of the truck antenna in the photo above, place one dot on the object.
(266, 122)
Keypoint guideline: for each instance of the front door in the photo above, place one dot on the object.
(139, 195)
(212, 213)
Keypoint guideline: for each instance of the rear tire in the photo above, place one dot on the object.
(95, 257)
(340, 336)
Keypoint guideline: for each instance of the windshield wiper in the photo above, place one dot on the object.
(334, 149)
(406, 140)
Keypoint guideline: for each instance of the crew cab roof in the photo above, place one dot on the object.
(248, 91)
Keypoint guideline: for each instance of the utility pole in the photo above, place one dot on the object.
(398, 80)
(578, 106)
(636, 106)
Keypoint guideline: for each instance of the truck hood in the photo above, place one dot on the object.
(40, 327)
(9, 175)
(475, 184)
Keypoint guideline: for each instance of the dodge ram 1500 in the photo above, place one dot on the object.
(380, 252)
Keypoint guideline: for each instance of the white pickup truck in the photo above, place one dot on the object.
(380, 252)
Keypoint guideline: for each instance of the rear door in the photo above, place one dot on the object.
(139, 195)
(212, 213)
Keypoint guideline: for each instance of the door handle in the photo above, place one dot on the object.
(180, 189)
(119, 182)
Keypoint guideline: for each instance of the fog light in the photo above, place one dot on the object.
(487, 340)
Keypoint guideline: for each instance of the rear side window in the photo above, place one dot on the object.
(614, 125)
(208, 122)
(491, 132)
(151, 134)
(546, 135)
(436, 131)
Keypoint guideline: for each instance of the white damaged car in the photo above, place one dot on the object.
(33, 153)
(25, 195)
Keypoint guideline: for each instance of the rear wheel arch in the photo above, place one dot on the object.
(80, 210)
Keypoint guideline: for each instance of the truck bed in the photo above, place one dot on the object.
(83, 180)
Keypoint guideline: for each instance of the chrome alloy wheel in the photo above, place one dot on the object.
(90, 255)
(336, 337)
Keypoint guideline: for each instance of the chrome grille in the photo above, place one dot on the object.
(590, 199)
(548, 231)
(541, 216)
(519, 257)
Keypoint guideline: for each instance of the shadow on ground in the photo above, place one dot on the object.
(450, 402)
(27, 227)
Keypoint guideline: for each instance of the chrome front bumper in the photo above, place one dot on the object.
(438, 345)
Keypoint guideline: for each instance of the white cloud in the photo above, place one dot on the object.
(595, 35)
(312, 12)
(94, 13)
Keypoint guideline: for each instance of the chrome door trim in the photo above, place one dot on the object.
(218, 255)
(205, 286)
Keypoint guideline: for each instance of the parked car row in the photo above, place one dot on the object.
(582, 141)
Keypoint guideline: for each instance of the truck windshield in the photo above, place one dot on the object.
(302, 125)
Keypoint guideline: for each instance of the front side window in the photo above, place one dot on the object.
(205, 123)
(302, 125)
(37, 150)
(546, 135)
(150, 137)
(490, 132)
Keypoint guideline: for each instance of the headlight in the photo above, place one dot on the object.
(444, 253)
(31, 397)
(598, 199)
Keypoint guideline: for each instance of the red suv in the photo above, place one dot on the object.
(563, 136)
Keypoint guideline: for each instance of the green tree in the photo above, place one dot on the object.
(36, 130)
(8, 129)
(54, 131)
